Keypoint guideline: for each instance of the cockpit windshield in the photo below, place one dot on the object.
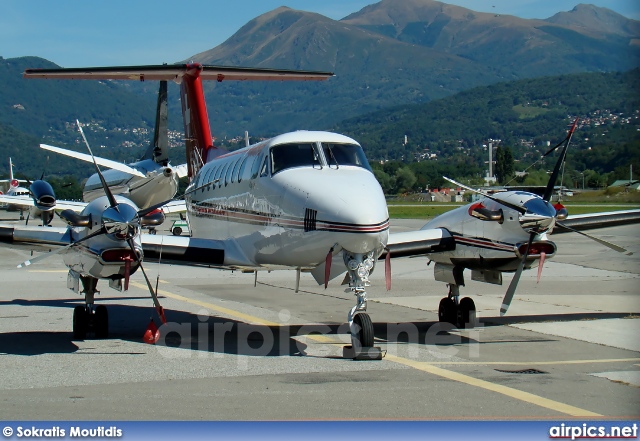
(345, 154)
(285, 156)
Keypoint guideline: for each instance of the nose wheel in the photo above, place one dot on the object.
(86, 319)
(362, 331)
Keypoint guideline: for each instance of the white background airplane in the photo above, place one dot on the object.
(38, 199)
(14, 189)
(308, 201)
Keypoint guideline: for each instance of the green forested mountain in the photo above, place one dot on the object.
(43, 111)
(391, 53)
(527, 111)
(527, 116)
(401, 52)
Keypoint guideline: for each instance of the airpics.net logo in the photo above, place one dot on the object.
(59, 432)
(588, 431)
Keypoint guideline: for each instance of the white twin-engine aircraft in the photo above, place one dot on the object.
(146, 182)
(307, 200)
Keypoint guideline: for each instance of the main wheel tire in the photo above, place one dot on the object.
(363, 331)
(177, 231)
(467, 309)
(80, 323)
(101, 322)
(447, 311)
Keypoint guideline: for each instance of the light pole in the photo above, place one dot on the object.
(582, 173)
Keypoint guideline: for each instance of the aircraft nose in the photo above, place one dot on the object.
(347, 201)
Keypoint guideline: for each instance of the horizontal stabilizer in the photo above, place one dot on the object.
(175, 72)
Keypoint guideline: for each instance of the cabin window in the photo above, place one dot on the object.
(293, 155)
(212, 177)
(345, 154)
(264, 170)
(207, 177)
(218, 172)
(224, 169)
(236, 167)
(242, 167)
(227, 176)
(255, 168)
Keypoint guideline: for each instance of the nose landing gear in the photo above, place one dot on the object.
(359, 266)
(90, 318)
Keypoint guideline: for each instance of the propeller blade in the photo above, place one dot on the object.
(518, 208)
(387, 269)
(600, 241)
(112, 200)
(506, 302)
(154, 296)
(59, 250)
(556, 171)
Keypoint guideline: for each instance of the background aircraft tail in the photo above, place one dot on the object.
(159, 148)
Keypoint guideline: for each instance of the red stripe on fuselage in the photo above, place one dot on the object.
(264, 219)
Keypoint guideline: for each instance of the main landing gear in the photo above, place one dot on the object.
(359, 266)
(90, 318)
(460, 313)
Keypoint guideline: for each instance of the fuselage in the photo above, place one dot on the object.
(289, 200)
(159, 184)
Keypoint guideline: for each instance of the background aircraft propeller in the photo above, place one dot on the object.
(508, 297)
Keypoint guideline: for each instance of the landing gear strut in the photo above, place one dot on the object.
(90, 318)
(359, 266)
(460, 313)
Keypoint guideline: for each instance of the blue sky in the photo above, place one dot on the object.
(75, 33)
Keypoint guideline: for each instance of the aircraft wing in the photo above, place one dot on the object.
(415, 243)
(27, 202)
(34, 234)
(21, 201)
(100, 161)
(599, 220)
(175, 72)
(168, 249)
(184, 250)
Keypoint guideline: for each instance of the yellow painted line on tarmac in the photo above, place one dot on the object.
(498, 388)
(419, 365)
(221, 309)
(538, 363)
